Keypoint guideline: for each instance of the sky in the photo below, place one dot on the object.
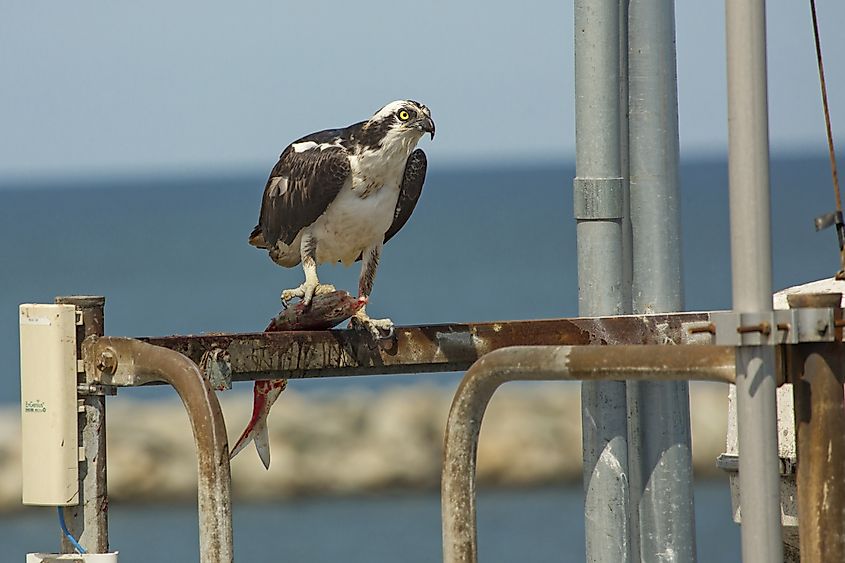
(111, 88)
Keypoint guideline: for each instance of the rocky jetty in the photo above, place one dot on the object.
(355, 442)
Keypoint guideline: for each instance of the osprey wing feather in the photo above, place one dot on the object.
(300, 188)
(409, 194)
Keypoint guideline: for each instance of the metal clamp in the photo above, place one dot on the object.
(752, 329)
(217, 367)
(729, 463)
(789, 326)
(597, 198)
(815, 325)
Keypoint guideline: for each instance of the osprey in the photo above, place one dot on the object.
(338, 195)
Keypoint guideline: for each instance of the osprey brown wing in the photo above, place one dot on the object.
(299, 190)
(409, 194)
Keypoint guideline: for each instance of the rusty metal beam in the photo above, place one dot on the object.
(546, 363)
(109, 360)
(432, 348)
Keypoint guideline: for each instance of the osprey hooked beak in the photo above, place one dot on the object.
(425, 123)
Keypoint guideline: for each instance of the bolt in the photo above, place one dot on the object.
(86, 389)
(762, 328)
(107, 362)
(708, 328)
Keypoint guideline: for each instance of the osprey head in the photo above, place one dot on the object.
(404, 117)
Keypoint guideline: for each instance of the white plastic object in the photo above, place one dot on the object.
(49, 414)
(86, 558)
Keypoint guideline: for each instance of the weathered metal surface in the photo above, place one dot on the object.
(820, 418)
(126, 361)
(432, 348)
(818, 374)
(539, 363)
(88, 521)
(659, 451)
(599, 197)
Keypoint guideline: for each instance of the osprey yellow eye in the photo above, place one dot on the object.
(404, 115)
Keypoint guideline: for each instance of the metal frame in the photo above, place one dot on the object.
(816, 366)
(417, 349)
(545, 363)
(128, 362)
(189, 363)
(665, 347)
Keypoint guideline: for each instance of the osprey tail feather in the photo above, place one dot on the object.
(256, 238)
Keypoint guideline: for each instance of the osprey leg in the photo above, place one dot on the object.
(379, 328)
(312, 285)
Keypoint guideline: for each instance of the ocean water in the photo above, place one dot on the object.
(531, 526)
(492, 243)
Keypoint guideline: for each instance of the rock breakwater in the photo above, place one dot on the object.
(355, 442)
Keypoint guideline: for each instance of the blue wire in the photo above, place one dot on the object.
(70, 538)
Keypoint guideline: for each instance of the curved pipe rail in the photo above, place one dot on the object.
(544, 363)
(125, 361)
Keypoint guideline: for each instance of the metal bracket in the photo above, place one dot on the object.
(87, 389)
(597, 198)
(729, 463)
(752, 329)
(788, 326)
(217, 368)
(815, 325)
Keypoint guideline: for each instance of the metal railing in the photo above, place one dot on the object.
(546, 363)
(806, 343)
(191, 363)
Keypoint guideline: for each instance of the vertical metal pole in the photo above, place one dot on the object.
(820, 414)
(89, 520)
(598, 195)
(634, 473)
(820, 429)
(660, 456)
(624, 162)
(751, 266)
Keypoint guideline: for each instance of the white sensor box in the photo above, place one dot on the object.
(49, 413)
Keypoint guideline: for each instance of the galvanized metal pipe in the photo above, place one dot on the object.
(627, 266)
(624, 163)
(111, 360)
(89, 520)
(539, 363)
(660, 458)
(751, 267)
(599, 198)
